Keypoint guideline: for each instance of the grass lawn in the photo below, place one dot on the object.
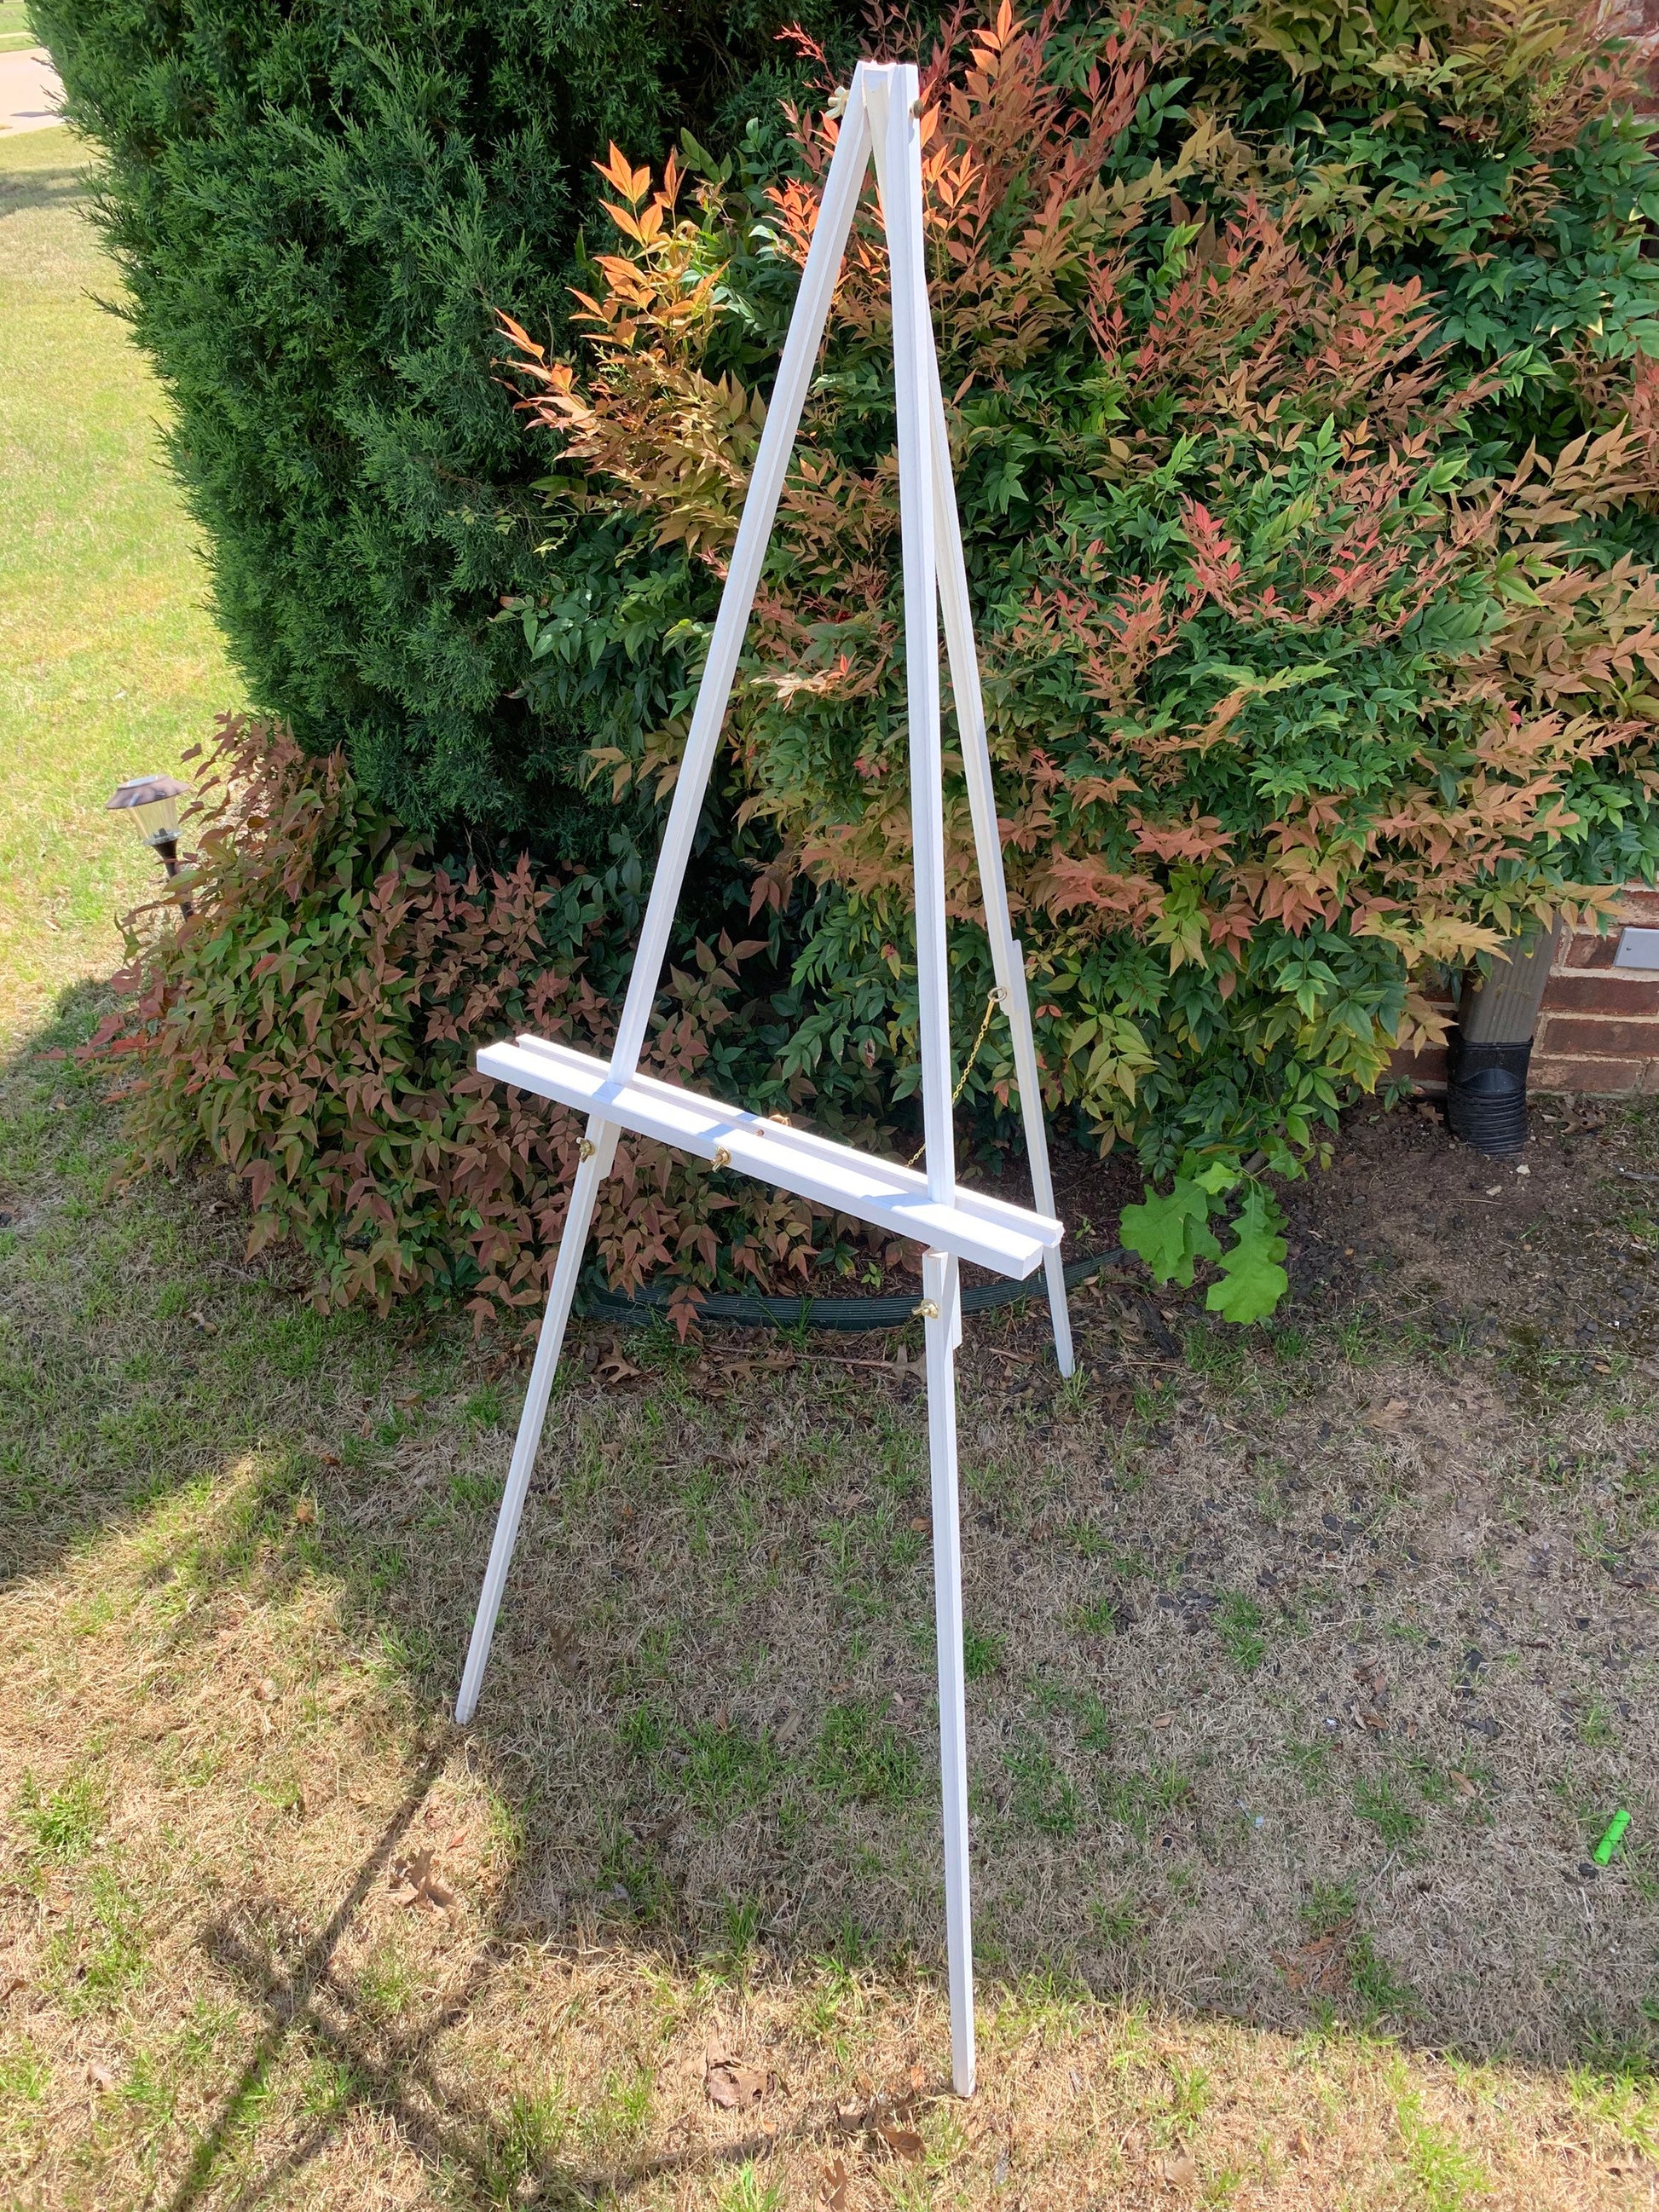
(109, 664)
(1304, 1675)
(1306, 1666)
(15, 32)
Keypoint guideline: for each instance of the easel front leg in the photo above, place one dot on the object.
(941, 1300)
(599, 1149)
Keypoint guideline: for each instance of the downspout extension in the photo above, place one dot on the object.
(1492, 1047)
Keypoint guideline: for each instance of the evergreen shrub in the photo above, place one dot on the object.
(315, 205)
(310, 1025)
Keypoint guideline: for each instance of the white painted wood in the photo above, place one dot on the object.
(572, 1242)
(800, 352)
(881, 121)
(895, 136)
(942, 1333)
(975, 1225)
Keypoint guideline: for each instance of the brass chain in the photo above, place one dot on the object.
(992, 1003)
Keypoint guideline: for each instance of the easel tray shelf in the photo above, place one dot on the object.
(1008, 1239)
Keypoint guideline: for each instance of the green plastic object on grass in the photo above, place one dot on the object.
(1609, 1842)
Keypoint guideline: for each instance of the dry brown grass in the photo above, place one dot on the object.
(1279, 1886)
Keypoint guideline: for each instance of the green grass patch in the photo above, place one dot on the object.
(862, 1758)
(1239, 1623)
(1041, 1795)
(1382, 1803)
(63, 1823)
(110, 664)
(1445, 2175)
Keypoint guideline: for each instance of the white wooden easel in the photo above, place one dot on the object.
(951, 1224)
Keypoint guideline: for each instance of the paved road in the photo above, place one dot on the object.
(29, 91)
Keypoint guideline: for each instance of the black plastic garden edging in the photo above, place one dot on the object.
(743, 1309)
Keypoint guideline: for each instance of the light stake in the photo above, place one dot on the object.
(153, 801)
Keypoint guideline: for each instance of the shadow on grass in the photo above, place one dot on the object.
(24, 189)
(484, 2159)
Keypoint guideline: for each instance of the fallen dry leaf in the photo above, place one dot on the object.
(266, 1691)
(1180, 2170)
(732, 2087)
(304, 1510)
(416, 1881)
(742, 1370)
(99, 2075)
(1320, 1964)
(1389, 1416)
(903, 2142)
(1461, 1784)
(832, 2186)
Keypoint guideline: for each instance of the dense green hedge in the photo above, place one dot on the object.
(316, 206)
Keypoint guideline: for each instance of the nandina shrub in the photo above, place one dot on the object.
(310, 1025)
(1308, 672)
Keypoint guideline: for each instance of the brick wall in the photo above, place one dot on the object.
(1598, 1029)
(1638, 20)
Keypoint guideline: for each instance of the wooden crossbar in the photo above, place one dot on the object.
(974, 1226)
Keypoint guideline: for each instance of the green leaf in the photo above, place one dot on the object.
(1253, 1277)
(1170, 1234)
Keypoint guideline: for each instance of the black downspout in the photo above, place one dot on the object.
(1486, 1064)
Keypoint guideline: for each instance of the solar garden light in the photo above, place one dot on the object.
(154, 801)
(1486, 1070)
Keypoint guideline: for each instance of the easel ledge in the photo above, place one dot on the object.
(1009, 1239)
